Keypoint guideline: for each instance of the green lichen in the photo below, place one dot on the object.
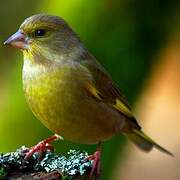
(73, 164)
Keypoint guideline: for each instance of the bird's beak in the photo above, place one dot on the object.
(17, 40)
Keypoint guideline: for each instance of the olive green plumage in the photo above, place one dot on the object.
(68, 90)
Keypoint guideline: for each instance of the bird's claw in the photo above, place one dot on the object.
(96, 164)
(42, 147)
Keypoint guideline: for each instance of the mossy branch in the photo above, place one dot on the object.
(73, 166)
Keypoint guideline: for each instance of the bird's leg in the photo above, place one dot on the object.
(42, 146)
(96, 164)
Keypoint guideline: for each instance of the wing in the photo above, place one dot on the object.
(103, 89)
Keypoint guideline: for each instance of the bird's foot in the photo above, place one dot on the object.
(96, 164)
(41, 147)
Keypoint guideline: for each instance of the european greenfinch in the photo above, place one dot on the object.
(68, 90)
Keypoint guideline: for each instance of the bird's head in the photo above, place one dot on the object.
(44, 36)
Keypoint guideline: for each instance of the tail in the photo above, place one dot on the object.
(144, 142)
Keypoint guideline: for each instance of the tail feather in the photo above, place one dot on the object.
(144, 142)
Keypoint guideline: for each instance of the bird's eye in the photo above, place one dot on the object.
(40, 32)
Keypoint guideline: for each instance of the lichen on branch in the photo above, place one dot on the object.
(72, 165)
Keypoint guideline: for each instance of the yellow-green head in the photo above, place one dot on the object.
(44, 35)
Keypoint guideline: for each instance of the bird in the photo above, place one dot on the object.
(69, 91)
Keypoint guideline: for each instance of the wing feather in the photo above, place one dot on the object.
(103, 89)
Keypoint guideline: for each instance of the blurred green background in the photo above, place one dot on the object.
(123, 35)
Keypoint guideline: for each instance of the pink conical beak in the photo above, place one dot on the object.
(17, 40)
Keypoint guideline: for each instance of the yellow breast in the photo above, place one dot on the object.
(57, 97)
